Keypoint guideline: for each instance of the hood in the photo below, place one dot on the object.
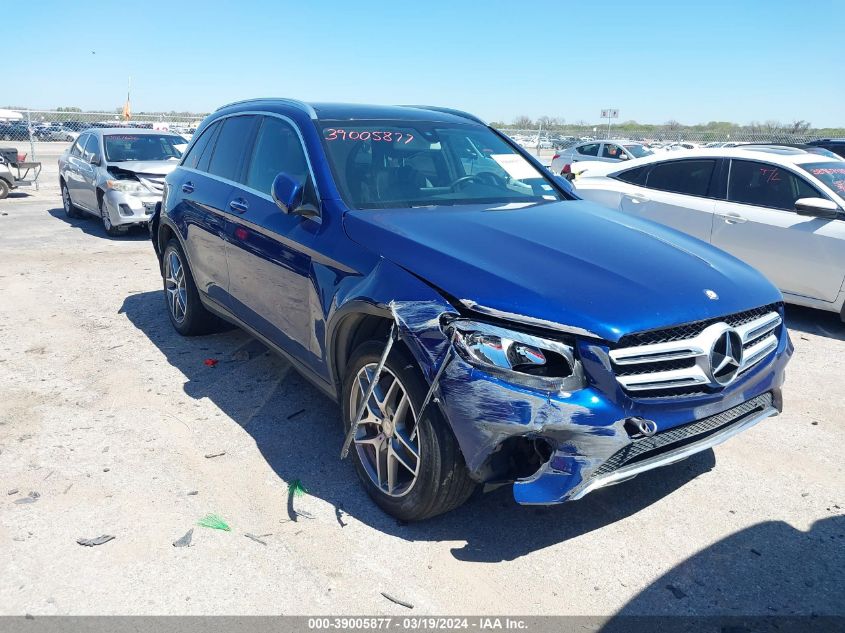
(568, 265)
(153, 167)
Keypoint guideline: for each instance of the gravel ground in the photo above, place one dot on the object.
(107, 418)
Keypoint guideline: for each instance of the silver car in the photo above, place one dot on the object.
(117, 174)
(600, 151)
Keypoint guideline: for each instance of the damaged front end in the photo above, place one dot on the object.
(543, 408)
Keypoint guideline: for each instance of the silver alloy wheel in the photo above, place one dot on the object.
(105, 215)
(174, 285)
(387, 439)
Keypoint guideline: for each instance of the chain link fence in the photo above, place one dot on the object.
(564, 136)
(44, 126)
(43, 133)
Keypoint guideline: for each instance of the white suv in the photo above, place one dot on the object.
(778, 208)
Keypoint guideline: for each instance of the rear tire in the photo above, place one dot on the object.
(4, 189)
(184, 307)
(442, 482)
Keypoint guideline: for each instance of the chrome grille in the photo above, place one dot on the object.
(661, 368)
(154, 182)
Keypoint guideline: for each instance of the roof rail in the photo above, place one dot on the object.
(459, 113)
(294, 102)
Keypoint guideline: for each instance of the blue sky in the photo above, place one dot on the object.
(693, 61)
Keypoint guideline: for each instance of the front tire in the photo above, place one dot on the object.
(187, 313)
(71, 210)
(412, 468)
(4, 189)
(111, 229)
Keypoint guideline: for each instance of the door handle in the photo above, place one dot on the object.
(188, 187)
(636, 198)
(733, 218)
(239, 205)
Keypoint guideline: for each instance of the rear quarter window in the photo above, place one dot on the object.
(635, 176)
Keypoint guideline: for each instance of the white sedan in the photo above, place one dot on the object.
(780, 209)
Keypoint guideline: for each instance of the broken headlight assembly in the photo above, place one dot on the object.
(127, 186)
(517, 357)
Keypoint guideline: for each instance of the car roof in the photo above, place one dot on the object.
(127, 130)
(355, 111)
(774, 154)
(620, 141)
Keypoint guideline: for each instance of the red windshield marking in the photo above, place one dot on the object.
(828, 171)
(772, 175)
(338, 134)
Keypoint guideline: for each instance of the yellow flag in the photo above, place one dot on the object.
(127, 111)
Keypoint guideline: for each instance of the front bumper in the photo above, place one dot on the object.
(586, 430)
(125, 208)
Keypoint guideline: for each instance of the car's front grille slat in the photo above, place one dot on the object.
(648, 364)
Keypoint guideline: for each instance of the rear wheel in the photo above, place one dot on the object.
(410, 466)
(187, 313)
(4, 188)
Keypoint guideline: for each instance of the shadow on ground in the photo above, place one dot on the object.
(769, 569)
(94, 226)
(819, 322)
(298, 431)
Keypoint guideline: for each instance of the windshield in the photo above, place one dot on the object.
(393, 164)
(638, 151)
(832, 174)
(123, 147)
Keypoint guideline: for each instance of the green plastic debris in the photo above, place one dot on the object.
(296, 488)
(214, 522)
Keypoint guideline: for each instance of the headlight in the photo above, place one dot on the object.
(518, 357)
(127, 186)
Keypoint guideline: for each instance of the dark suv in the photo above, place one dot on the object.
(835, 145)
(475, 320)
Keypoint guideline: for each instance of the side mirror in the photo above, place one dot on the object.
(623, 156)
(817, 208)
(289, 195)
(96, 160)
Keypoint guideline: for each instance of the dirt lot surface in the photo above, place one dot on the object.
(107, 419)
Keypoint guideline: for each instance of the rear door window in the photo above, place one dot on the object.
(767, 185)
(690, 177)
(588, 150)
(230, 150)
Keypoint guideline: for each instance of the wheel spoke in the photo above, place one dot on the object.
(397, 458)
(407, 444)
(384, 442)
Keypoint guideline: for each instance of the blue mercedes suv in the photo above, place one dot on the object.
(476, 321)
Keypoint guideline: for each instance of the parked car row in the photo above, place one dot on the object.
(476, 320)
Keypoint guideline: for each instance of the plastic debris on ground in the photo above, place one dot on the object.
(91, 542)
(214, 522)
